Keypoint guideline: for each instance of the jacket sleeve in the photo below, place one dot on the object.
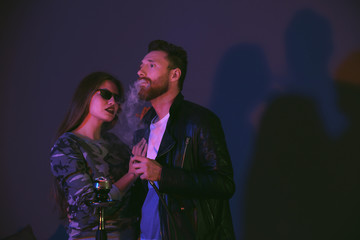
(211, 174)
(70, 169)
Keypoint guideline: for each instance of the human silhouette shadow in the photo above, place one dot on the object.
(288, 184)
(59, 234)
(346, 166)
(240, 88)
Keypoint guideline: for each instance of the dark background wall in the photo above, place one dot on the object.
(242, 55)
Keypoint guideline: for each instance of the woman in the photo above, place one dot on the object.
(84, 150)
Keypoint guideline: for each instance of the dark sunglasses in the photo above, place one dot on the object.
(106, 94)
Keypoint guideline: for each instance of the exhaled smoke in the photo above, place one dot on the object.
(129, 117)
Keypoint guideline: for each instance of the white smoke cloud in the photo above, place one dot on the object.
(129, 120)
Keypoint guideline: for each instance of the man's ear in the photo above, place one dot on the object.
(175, 74)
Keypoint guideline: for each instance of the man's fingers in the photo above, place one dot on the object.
(138, 158)
(138, 162)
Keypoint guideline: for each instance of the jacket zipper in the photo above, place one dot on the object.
(187, 140)
(212, 222)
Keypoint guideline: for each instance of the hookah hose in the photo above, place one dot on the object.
(165, 206)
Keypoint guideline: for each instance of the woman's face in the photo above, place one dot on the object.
(104, 104)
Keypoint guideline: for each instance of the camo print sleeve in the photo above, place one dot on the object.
(71, 170)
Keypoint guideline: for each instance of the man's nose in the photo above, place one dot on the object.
(141, 73)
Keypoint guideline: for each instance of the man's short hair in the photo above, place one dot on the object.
(176, 55)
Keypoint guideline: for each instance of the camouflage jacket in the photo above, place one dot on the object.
(75, 162)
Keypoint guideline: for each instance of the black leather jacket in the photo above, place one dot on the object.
(197, 176)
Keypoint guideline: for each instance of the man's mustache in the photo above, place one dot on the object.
(144, 78)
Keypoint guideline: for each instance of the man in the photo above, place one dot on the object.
(187, 159)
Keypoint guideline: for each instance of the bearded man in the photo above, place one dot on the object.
(187, 172)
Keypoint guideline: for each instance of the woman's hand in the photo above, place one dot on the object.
(139, 149)
(124, 183)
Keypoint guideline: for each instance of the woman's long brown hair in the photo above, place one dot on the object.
(76, 114)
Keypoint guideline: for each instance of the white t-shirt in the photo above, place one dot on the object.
(150, 220)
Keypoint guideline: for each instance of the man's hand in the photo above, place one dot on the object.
(147, 168)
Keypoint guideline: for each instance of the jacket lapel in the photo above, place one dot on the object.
(167, 143)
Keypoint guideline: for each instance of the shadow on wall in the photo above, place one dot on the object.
(346, 161)
(60, 234)
(241, 85)
(25, 233)
(290, 188)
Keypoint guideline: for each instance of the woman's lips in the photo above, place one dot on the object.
(110, 110)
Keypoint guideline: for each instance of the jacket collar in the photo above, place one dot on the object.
(174, 106)
(167, 141)
(177, 101)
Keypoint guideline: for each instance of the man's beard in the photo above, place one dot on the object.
(151, 92)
